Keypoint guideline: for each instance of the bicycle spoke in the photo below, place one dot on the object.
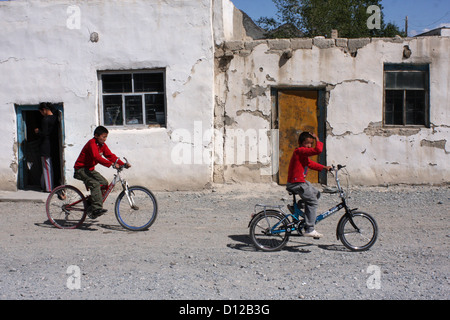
(66, 207)
(261, 231)
(361, 238)
(136, 210)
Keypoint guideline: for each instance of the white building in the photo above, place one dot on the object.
(190, 99)
(381, 106)
(98, 60)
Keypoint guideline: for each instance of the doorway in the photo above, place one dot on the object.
(29, 160)
(297, 111)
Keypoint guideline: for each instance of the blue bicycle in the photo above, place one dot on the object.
(271, 227)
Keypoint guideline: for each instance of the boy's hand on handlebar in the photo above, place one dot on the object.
(328, 168)
(126, 165)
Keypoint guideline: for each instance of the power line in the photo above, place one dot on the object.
(424, 26)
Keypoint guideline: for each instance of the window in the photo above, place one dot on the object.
(406, 95)
(133, 99)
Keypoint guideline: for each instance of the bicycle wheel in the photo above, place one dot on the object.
(361, 238)
(138, 211)
(268, 230)
(66, 207)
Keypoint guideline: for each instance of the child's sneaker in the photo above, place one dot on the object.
(94, 214)
(313, 234)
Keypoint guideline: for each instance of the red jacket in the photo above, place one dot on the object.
(298, 167)
(94, 153)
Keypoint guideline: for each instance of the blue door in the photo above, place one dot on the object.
(29, 163)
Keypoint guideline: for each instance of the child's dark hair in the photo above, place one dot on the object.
(47, 105)
(303, 136)
(100, 130)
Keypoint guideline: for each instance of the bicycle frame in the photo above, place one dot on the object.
(106, 191)
(111, 186)
(299, 213)
(117, 178)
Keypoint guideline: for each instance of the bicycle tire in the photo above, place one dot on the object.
(143, 215)
(261, 235)
(361, 239)
(66, 207)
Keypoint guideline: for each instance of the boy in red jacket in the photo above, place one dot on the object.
(298, 168)
(94, 152)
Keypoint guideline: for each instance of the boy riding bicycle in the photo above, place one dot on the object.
(298, 168)
(94, 152)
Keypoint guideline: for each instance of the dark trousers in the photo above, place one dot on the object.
(93, 181)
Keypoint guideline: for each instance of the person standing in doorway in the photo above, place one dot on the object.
(48, 125)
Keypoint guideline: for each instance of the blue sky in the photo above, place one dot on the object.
(423, 15)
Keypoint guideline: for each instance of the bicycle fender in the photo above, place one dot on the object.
(254, 216)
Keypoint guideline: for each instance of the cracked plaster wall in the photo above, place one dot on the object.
(43, 60)
(351, 73)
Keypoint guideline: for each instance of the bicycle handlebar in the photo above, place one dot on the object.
(122, 166)
(339, 167)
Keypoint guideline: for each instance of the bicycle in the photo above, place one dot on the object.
(135, 208)
(271, 228)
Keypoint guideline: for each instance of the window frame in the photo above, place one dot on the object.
(123, 95)
(398, 67)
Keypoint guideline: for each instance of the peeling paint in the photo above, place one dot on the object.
(377, 129)
(224, 61)
(14, 166)
(269, 78)
(257, 113)
(440, 144)
(256, 91)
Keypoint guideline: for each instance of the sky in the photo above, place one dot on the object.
(423, 15)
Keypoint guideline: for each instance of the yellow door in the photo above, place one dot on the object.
(297, 112)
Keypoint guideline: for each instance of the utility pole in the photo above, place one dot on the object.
(406, 26)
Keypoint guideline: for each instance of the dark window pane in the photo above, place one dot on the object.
(112, 110)
(155, 109)
(116, 83)
(415, 107)
(391, 80)
(405, 80)
(406, 94)
(412, 80)
(133, 110)
(394, 107)
(148, 82)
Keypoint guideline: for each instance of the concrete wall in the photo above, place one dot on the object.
(220, 108)
(351, 73)
(43, 57)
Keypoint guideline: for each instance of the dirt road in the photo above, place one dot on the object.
(199, 249)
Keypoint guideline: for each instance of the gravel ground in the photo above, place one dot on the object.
(199, 249)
